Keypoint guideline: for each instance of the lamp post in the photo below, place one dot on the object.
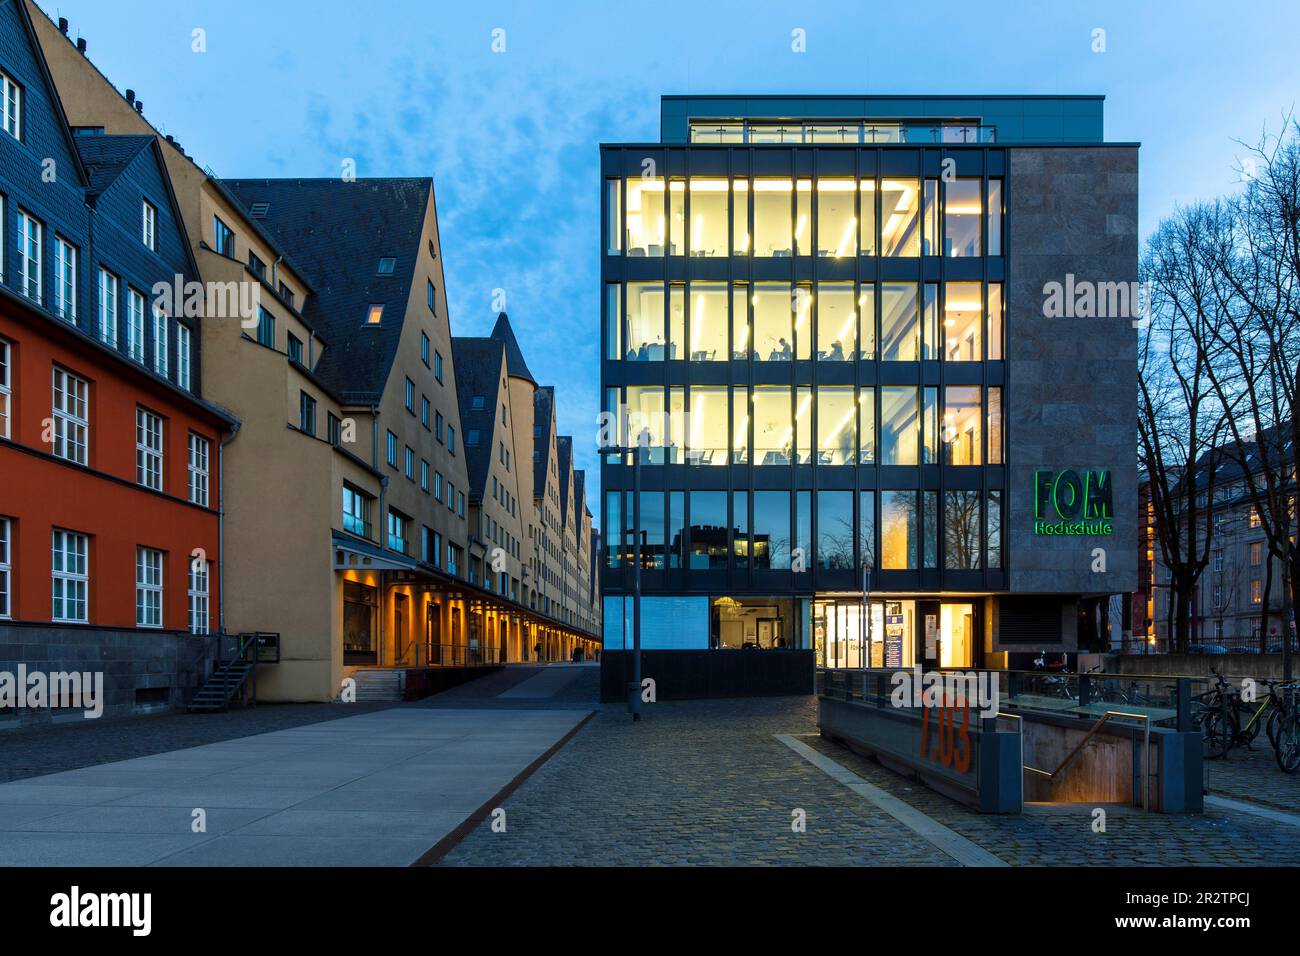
(864, 625)
(634, 688)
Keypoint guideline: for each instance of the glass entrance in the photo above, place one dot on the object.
(840, 633)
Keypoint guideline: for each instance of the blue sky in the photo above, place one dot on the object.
(413, 88)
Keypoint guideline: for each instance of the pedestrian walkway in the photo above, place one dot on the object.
(548, 682)
(379, 789)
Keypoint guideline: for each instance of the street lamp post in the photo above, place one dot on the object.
(634, 688)
(864, 625)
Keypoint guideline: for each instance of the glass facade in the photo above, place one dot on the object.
(812, 343)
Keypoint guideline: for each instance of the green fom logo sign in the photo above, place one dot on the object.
(1072, 503)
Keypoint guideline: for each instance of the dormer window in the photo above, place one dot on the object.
(387, 265)
(149, 224)
(11, 100)
(374, 315)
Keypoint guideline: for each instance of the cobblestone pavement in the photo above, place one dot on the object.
(31, 752)
(705, 782)
(1254, 775)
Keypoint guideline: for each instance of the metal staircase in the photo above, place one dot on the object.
(230, 676)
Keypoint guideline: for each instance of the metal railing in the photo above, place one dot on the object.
(1078, 749)
(423, 654)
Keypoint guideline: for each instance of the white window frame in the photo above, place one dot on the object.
(6, 386)
(31, 236)
(70, 408)
(65, 279)
(183, 360)
(108, 286)
(149, 224)
(148, 587)
(6, 567)
(69, 577)
(199, 456)
(148, 449)
(11, 106)
(200, 574)
(160, 341)
(135, 325)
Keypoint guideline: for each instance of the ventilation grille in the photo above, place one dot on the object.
(1030, 621)
(259, 210)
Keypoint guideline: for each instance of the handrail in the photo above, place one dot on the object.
(1146, 757)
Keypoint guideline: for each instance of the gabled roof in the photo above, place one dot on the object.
(106, 156)
(338, 231)
(543, 416)
(61, 116)
(478, 364)
(564, 449)
(515, 363)
(580, 491)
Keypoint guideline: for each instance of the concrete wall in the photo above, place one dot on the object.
(1072, 382)
(129, 660)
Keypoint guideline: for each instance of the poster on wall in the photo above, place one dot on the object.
(894, 635)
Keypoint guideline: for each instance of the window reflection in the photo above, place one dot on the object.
(835, 530)
(772, 530)
(961, 218)
(995, 320)
(898, 527)
(961, 530)
(708, 529)
(646, 225)
(740, 542)
(646, 416)
(899, 325)
(899, 425)
(963, 320)
(995, 426)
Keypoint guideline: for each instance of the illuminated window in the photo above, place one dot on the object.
(837, 223)
(708, 315)
(995, 321)
(374, 315)
(867, 217)
(835, 425)
(899, 219)
(898, 530)
(708, 234)
(647, 227)
(867, 426)
(963, 322)
(773, 314)
(837, 322)
(899, 322)
(645, 322)
(961, 425)
(773, 426)
(740, 419)
(899, 425)
(773, 207)
(740, 217)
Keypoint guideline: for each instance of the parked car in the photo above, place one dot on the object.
(1206, 649)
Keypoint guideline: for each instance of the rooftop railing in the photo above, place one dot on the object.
(852, 133)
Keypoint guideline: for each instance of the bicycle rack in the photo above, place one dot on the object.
(1073, 754)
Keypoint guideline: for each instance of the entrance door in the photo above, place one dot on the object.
(957, 630)
(433, 633)
(400, 638)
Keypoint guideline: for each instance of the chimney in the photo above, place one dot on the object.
(81, 45)
(130, 97)
(139, 106)
(63, 25)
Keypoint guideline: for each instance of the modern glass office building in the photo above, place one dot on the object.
(826, 320)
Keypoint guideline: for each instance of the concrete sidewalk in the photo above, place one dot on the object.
(377, 789)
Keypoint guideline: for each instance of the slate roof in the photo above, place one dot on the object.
(543, 415)
(580, 492)
(515, 364)
(478, 372)
(337, 232)
(106, 156)
(564, 449)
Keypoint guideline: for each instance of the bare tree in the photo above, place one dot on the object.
(1254, 259)
(1180, 418)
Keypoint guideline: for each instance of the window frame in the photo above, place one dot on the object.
(148, 586)
(70, 421)
(198, 596)
(79, 580)
(197, 469)
(146, 453)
